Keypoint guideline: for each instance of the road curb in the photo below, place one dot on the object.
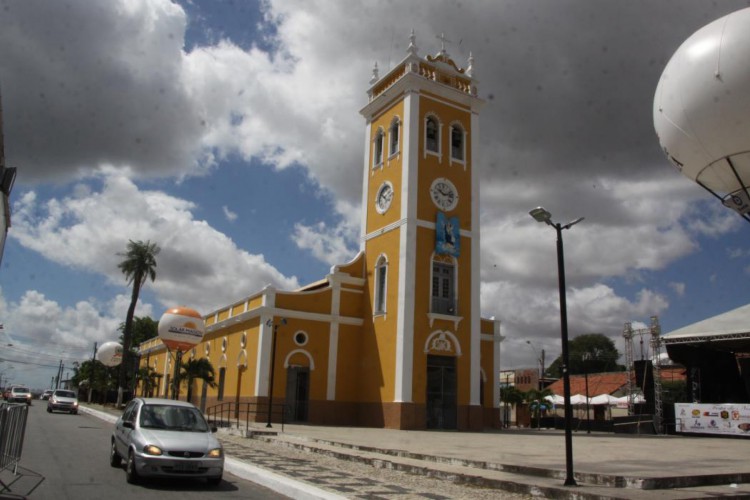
(276, 482)
(98, 414)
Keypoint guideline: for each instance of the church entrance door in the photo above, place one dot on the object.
(441, 392)
(297, 392)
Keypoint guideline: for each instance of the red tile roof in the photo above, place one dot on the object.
(608, 383)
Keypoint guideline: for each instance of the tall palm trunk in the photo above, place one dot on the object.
(127, 337)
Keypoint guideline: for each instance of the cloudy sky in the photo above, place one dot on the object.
(229, 133)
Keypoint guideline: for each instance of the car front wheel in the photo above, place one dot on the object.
(213, 481)
(114, 458)
(49, 410)
(131, 475)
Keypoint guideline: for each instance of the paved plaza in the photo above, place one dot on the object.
(305, 461)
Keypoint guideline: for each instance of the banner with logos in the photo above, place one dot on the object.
(724, 419)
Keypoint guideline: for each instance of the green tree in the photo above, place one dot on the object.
(200, 369)
(138, 266)
(589, 353)
(144, 328)
(510, 396)
(95, 376)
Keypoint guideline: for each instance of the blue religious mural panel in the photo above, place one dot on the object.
(447, 235)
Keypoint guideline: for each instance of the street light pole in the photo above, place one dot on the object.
(585, 363)
(542, 215)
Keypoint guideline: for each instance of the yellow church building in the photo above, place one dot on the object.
(394, 337)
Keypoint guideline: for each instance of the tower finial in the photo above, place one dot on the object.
(470, 69)
(412, 47)
(375, 76)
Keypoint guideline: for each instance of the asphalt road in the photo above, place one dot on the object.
(67, 457)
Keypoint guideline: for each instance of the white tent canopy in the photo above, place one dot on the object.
(601, 399)
(604, 399)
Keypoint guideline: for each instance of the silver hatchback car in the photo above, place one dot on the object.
(165, 438)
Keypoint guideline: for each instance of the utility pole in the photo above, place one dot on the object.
(541, 374)
(59, 374)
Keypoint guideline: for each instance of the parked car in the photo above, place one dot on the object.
(46, 394)
(20, 394)
(165, 438)
(63, 400)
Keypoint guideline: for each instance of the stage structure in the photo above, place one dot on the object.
(647, 371)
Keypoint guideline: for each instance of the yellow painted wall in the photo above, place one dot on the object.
(349, 371)
(351, 303)
(379, 336)
(318, 301)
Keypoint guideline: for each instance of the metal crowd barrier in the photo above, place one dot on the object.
(12, 429)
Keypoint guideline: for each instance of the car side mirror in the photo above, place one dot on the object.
(128, 424)
(214, 429)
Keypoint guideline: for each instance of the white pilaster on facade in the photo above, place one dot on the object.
(263, 363)
(333, 339)
(365, 184)
(407, 253)
(475, 265)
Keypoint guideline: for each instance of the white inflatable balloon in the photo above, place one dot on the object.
(701, 108)
(181, 328)
(109, 354)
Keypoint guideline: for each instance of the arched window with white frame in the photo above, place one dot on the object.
(381, 284)
(377, 148)
(444, 285)
(458, 143)
(432, 135)
(393, 136)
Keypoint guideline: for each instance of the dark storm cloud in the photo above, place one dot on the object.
(85, 84)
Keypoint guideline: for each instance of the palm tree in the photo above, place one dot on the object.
(139, 264)
(536, 399)
(197, 369)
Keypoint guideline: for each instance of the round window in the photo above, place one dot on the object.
(300, 338)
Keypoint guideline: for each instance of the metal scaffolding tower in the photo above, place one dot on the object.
(655, 345)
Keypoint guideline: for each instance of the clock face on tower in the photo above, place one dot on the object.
(384, 197)
(444, 194)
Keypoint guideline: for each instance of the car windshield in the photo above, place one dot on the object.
(173, 418)
(65, 394)
(20, 389)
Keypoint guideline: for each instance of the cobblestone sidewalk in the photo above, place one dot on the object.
(350, 479)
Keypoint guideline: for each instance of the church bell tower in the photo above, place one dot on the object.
(420, 236)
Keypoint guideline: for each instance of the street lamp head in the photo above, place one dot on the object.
(541, 215)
